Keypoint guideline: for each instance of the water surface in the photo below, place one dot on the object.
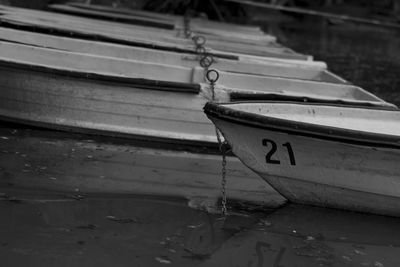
(42, 229)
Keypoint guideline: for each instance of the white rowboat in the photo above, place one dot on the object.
(71, 43)
(80, 92)
(118, 33)
(268, 68)
(228, 81)
(121, 33)
(326, 155)
(211, 29)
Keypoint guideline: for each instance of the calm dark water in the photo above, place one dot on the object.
(364, 55)
(42, 229)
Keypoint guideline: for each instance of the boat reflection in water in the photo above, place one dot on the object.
(105, 231)
(74, 164)
(299, 235)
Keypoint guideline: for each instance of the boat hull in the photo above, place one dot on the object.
(79, 102)
(54, 89)
(338, 174)
(117, 69)
(272, 68)
(117, 32)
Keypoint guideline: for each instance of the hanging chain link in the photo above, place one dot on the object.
(223, 145)
(206, 60)
(223, 181)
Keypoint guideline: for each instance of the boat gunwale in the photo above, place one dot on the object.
(140, 83)
(102, 15)
(126, 11)
(79, 34)
(238, 97)
(322, 132)
(113, 137)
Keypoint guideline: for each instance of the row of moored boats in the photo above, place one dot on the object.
(136, 75)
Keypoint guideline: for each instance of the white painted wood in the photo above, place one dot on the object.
(248, 65)
(228, 81)
(215, 30)
(178, 20)
(327, 172)
(84, 62)
(143, 34)
(19, 20)
(365, 120)
(212, 28)
(271, 68)
(114, 106)
(59, 101)
(135, 33)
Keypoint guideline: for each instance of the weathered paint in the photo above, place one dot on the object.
(351, 162)
(97, 29)
(85, 63)
(197, 24)
(270, 68)
(41, 86)
(58, 101)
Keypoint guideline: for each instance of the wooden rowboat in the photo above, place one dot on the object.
(86, 164)
(173, 19)
(103, 47)
(98, 14)
(114, 97)
(177, 19)
(196, 23)
(115, 33)
(228, 81)
(281, 69)
(326, 155)
(213, 30)
(121, 33)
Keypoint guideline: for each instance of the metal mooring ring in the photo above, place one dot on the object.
(207, 60)
(209, 78)
(200, 50)
(199, 40)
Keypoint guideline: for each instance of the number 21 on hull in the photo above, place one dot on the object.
(273, 147)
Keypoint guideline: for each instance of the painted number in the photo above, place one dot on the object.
(274, 148)
(290, 152)
(268, 157)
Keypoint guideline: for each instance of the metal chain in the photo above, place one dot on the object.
(223, 145)
(205, 61)
(209, 76)
(223, 181)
